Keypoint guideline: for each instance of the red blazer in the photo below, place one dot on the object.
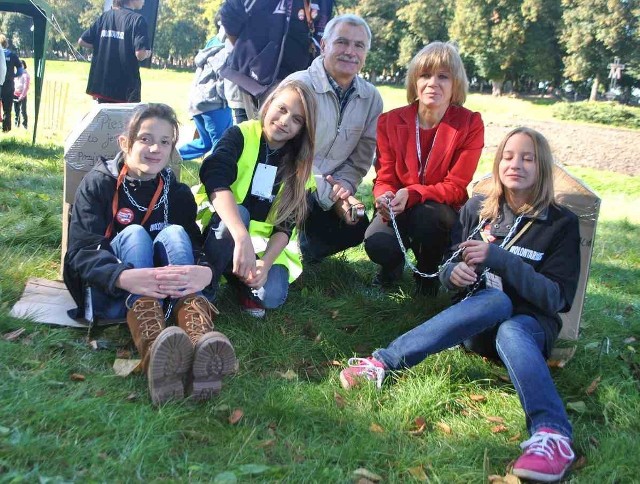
(452, 162)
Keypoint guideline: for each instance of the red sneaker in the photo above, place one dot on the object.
(251, 306)
(547, 456)
(359, 368)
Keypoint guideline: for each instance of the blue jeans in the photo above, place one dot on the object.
(219, 246)
(519, 341)
(134, 246)
(210, 126)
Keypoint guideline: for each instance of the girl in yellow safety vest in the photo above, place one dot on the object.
(257, 180)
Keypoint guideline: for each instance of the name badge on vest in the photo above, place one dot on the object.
(263, 181)
(494, 281)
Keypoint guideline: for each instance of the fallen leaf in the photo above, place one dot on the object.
(629, 340)
(267, 443)
(505, 378)
(124, 368)
(498, 420)
(123, 353)
(367, 474)
(100, 393)
(103, 455)
(362, 480)
(579, 407)
(235, 416)
(515, 438)
(335, 363)
(14, 335)
(444, 427)
(556, 363)
(418, 473)
(593, 441)
(477, 398)
(593, 386)
(288, 375)
(339, 399)
(631, 348)
(374, 427)
(131, 397)
(495, 478)
(77, 377)
(334, 314)
(511, 479)
(498, 429)
(222, 408)
(93, 344)
(318, 338)
(579, 463)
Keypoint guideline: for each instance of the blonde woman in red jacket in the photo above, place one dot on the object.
(427, 153)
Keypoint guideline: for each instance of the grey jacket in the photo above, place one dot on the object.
(345, 144)
(207, 90)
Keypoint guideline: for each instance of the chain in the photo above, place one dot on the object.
(164, 199)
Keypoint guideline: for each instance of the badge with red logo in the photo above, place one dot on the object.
(486, 234)
(124, 216)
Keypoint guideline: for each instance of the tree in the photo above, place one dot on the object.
(181, 31)
(17, 28)
(593, 33)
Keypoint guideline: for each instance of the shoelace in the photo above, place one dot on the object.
(368, 369)
(541, 443)
(199, 316)
(151, 324)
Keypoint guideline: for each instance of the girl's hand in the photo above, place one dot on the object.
(141, 282)
(338, 191)
(382, 204)
(178, 281)
(463, 275)
(259, 277)
(475, 252)
(244, 257)
(399, 202)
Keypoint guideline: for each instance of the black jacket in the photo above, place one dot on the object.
(89, 259)
(540, 271)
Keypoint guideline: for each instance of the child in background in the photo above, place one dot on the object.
(516, 266)
(257, 179)
(20, 91)
(133, 246)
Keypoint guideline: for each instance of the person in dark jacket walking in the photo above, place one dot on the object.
(516, 264)
(132, 240)
(14, 69)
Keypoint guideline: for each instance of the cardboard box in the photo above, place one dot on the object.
(94, 137)
(577, 197)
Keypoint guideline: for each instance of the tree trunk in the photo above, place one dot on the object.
(594, 89)
(496, 88)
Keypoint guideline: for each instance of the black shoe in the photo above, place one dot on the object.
(388, 278)
(426, 286)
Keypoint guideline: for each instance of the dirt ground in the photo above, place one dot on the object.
(603, 148)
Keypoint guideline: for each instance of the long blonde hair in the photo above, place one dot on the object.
(296, 165)
(542, 189)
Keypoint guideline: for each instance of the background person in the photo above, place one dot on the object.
(132, 239)
(119, 41)
(518, 267)
(13, 67)
(427, 153)
(257, 179)
(20, 91)
(348, 110)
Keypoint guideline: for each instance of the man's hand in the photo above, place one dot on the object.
(474, 252)
(338, 191)
(343, 209)
(463, 275)
(244, 257)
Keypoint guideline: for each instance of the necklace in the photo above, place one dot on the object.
(162, 200)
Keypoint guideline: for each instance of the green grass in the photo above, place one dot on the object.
(298, 424)
(603, 113)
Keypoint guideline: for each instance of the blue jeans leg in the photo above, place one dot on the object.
(172, 246)
(210, 126)
(274, 292)
(452, 326)
(219, 245)
(133, 246)
(520, 342)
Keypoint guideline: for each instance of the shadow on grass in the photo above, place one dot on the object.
(23, 148)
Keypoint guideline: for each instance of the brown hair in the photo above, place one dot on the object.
(434, 56)
(147, 111)
(3, 41)
(542, 189)
(291, 203)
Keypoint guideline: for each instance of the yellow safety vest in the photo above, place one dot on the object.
(261, 231)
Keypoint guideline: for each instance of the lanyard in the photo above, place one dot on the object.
(422, 169)
(114, 203)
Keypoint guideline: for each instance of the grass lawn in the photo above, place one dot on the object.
(297, 424)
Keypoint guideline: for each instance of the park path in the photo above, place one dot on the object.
(573, 144)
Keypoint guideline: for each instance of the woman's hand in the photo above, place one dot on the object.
(178, 281)
(399, 202)
(141, 282)
(463, 275)
(382, 204)
(258, 278)
(474, 252)
(244, 257)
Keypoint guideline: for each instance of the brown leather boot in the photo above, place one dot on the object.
(214, 356)
(167, 353)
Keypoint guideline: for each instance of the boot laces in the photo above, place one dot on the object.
(544, 444)
(199, 313)
(150, 318)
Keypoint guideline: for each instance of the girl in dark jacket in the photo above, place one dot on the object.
(516, 264)
(132, 239)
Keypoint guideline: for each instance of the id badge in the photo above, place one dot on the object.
(494, 281)
(262, 185)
